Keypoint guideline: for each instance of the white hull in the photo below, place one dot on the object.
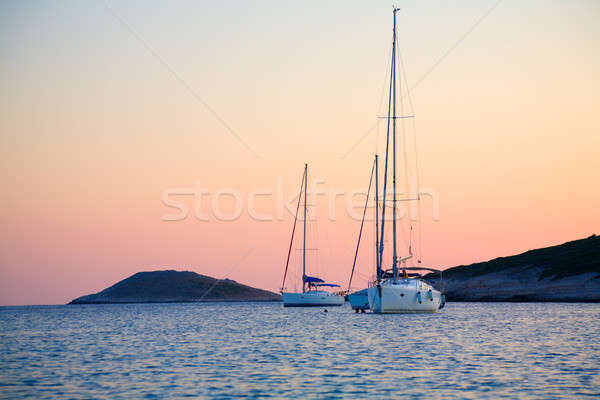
(359, 300)
(312, 298)
(404, 296)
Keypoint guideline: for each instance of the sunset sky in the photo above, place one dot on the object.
(106, 106)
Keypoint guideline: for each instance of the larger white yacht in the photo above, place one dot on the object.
(396, 290)
(406, 293)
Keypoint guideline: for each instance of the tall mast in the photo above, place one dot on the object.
(385, 170)
(287, 262)
(377, 215)
(394, 264)
(304, 240)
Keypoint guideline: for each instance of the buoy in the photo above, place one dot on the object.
(324, 310)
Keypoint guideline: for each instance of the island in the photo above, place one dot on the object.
(569, 272)
(175, 286)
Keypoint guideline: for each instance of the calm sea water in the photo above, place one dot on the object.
(220, 350)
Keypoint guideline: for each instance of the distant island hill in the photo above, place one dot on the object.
(176, 286)
(568, 272)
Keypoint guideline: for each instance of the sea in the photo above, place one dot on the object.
(262, 350)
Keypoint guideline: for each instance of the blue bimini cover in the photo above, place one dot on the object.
(312, 279)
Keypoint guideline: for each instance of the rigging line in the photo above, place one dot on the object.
(362, 276)
(438, 61)
(327, 241)
(178, 77)
(418, 190)
(376, 124)
(414, 129)
(375, 234)
(403, 233)
(312, 263)
(293, 230)
(233, 268)
(417, 169)
(402, 122)
(316, 236)
(377, 138)
(420, 227)
(456, 44)
(362, 222)
(406, 94)
(363, 137)
(383, 86)
(410, 239)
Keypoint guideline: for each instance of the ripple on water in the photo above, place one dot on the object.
(224, 350)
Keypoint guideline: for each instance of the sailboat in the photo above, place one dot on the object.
(396, 290)
(313, 293)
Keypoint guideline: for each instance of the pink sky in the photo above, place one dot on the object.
(94, 128)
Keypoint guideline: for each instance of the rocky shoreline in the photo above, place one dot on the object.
(569, 272)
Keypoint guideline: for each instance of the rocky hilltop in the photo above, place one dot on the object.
(567, 272)
(175, 286)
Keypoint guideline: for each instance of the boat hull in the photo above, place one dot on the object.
(404, 296)
(311, 299)
(359, 300)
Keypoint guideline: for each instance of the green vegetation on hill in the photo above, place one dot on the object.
(567, 259)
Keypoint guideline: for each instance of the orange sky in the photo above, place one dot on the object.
(100, 114)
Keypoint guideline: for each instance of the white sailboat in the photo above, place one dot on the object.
(405, 293)
(313, 293)
(396, 291)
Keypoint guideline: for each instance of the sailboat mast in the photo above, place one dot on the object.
(394, 262)
(304, 240)
(385, 170)
(287, 262)
(377, 214)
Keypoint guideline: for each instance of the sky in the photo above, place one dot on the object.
(108, 109)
